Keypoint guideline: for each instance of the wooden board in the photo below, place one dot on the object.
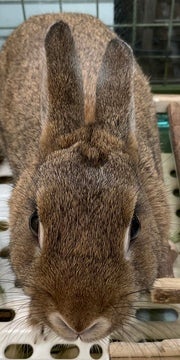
(145, 350)
(166, 291)
(174, 121)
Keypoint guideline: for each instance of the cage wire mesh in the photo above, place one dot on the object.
(151, 27)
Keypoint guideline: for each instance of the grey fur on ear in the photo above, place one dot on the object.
(62, 81)
(114, 91)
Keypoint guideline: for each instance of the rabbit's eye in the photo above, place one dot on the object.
(34, 223)
(135, 227)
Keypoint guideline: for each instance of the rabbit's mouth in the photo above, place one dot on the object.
(97, 330)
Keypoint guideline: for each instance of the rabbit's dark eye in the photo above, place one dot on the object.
(135, 227)
(34, 223)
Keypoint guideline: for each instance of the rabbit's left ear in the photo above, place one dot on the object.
(62, 107)
(114, 91)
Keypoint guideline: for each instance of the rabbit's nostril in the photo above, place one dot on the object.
(96, 330)
(62, 327)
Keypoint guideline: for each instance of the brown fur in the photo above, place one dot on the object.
(78, 127)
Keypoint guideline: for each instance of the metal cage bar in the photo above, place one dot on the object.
(134, 24)
(23, 10)
(60, 6)
(170, 27)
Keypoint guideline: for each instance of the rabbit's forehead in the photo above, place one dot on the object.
(66, 203)
(88, 183)
(72, 188)
(68, 170)
(91, 204)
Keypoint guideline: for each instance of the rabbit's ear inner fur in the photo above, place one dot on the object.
(63, 83)
(114, 91)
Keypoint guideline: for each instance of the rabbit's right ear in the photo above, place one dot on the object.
(62, 106)
(114, 91)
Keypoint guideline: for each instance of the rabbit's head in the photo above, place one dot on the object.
(80, 219)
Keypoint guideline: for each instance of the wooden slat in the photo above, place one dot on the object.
(145, 358)
(163, 100)
(166, 291)
(174, 120)
(145, 350)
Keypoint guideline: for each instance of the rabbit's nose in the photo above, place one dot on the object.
(61, 327)
(96, 330)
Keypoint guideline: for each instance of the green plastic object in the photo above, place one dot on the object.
(163, 126)
(163, 121)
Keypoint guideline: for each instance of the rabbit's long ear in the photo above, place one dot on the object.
(114, 91)
(62, 94)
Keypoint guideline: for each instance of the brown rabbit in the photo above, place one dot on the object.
(88, 214)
